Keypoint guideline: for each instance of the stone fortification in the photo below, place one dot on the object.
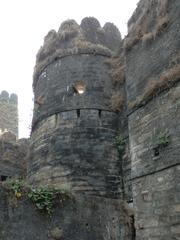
(9, 113)
(106, 127)
(73, 132)
(75, 120)
(153, 99)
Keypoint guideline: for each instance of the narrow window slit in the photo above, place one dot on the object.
(78, 113)
(156, 152)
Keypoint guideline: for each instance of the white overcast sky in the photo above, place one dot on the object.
(23, 25)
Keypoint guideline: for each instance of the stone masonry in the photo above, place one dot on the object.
(153, 74)
(105, 126)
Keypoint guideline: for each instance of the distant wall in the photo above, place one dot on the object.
(9, 112)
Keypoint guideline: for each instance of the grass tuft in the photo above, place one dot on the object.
(147, 37)
(165, 81)
(117, 69)
(130, 42)
(117, 102)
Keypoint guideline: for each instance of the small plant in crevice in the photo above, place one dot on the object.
(18, 186)
(120, 143)
(163, 139)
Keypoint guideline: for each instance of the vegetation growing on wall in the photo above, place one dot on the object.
(117, 69)
(43, 197)
(130, 42)
(165, 81)
(163, 139)
(138, 28)
(117, 102)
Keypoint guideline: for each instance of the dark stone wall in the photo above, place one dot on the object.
(13, 157)
(86, 217)
(155, 166)
(155, 175)
(54, 90)
(72, 139)
(126, 173)
(147, 60)
(9, 112)
(157, 205)
(146, 124)
(67, 149)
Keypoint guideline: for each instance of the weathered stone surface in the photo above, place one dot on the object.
(146, 62)
(154, 130)
(85, 217)
(156, 199)
(161, 115)
(72, 141)
(74, 39)
(13, 162)
(79, 151)
(55, 92)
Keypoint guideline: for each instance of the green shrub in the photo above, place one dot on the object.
(163, 139)
(43, 197)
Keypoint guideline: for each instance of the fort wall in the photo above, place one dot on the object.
(153, 95)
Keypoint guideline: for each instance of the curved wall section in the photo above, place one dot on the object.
(76, 149)
(55, 89)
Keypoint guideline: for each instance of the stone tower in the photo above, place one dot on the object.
(73, 125)
(9, 113)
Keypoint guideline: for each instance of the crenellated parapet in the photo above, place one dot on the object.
(8, 98)
(73, 39)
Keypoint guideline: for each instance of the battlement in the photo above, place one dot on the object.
(72, 39)
(8, 98)
(8, 113)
